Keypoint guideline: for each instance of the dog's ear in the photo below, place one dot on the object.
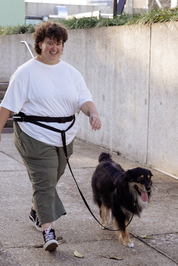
(104, 157)
(151, 173)
(128, 177)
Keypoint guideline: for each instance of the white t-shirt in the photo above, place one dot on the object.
(47, 90)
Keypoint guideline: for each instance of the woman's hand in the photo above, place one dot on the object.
(4, 115)
(89, 109)
(95, 121)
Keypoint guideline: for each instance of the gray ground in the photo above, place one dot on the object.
(21, 244)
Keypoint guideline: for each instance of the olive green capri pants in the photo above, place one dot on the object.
(45, 164)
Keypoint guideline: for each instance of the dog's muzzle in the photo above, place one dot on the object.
(148, 188)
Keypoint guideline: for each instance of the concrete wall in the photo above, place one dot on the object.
(132, 74)
(12, 12)
(115, 64)
(17, 53)
(163, 110)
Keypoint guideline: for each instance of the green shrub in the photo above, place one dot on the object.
(20, 29)
(85, 23)
(155, 16)
(149, 18)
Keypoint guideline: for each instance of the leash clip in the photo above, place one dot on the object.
(19, 118)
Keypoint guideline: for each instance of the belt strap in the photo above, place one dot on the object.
(21, 117)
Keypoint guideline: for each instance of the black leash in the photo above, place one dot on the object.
(21, 117)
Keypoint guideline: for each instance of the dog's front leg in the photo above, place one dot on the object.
(123, 234)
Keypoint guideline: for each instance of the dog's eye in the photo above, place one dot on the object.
(140, 178)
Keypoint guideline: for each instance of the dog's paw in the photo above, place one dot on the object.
(102, 227)
(130, 245)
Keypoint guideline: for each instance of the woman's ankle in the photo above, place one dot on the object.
(48, 226)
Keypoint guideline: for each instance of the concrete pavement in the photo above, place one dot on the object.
(21, 244)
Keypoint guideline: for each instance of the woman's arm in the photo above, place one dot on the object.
(89, 109)
(4, 115)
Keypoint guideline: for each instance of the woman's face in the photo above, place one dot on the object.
(51, 51)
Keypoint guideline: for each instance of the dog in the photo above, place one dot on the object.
(121, 193)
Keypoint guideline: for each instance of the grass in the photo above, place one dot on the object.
(19, 29)
(154, 16)
(85, 23)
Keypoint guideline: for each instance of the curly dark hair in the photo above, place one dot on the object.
(49, 29)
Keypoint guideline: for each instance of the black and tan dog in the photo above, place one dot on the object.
(123, 193)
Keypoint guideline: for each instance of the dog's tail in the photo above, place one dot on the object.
(104, 157)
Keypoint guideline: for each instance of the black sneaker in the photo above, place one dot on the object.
(50, 240)
(34, 220)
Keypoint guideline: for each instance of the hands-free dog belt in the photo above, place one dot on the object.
(21, 117)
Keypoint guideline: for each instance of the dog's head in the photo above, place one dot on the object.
(139, 182)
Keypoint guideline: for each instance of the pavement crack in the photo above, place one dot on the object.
(11, 157)
(10, 171)
(84, 167)
(156, 249)
(60, 241)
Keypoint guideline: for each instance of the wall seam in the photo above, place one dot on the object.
(148, 95)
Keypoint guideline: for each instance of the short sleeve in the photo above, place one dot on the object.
(84, 93)
(15, 96)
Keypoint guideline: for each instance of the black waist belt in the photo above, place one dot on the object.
(21, 117)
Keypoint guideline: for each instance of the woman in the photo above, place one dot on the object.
(46, 86)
